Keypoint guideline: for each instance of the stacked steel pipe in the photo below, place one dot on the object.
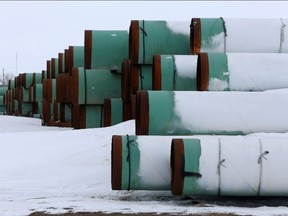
(247, 74)
(98, 85)
(22, 99)
(229, 166)
(213, 81)
(147, 38)
(3, 89)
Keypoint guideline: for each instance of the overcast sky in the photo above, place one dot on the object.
(36, 31)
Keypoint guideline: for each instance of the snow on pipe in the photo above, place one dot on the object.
(174, 72)
(105, 49)
(242, 71)
(223, 113)
(229, 166)
(113, 111)
(227, 35)
(140, 162)
(90, 86)
(147, 38)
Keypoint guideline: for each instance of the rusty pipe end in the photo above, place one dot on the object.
(202, 72)
(176, 164)
(195, 36)
(142, 113)
(107, 112)
(156, 73)
(88, 49)
(116, 162)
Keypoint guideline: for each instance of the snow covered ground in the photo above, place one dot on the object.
(58, 170)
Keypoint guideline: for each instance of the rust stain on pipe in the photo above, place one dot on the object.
(142, 113)
(87, 48)
(202, 72)
(116, 162)
(134, 41)
(156, 73)
(195, 36)
(107, 112)
(125, 81)
(177, 166)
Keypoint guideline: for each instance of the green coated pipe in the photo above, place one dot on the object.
(113, 111)
(141, 162)
(174, 72)
(93, 116)
(27, 80)
(37, 92)
(214, 165)
(25, 108)
(90, 86)
(147, 38)
(37, 78)
(105, 49)
(74, 58)
(2, 109)
(96, 86)
(2, 100)
(3, 90)
(242, 71)
(223, 113)
(226, 35)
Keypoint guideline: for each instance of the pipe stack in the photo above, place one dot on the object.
(198, 95)
(21, 100)
(146, 39)
(211, 110)
(100, 79)
(3, 90)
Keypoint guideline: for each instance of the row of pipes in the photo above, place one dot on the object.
(204, 95)
(211, 122)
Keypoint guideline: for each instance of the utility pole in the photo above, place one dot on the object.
(3, 77)
(16, 63)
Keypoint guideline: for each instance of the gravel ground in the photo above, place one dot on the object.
(119, 214)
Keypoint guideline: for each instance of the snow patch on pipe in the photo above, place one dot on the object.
(216, 84)
(179, 27)
(215, 44)
(253, 35)
(257, 71)
(232, 112)
(186, 65)
(154, 165)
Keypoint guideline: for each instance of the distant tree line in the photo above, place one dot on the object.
(5, 77)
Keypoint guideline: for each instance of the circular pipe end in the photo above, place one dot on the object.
(176, 164)
(195, 36)
(202, 72)
(156, 73)
(116, 162)
(142, 113)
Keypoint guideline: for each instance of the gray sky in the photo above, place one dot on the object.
(36, 31)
